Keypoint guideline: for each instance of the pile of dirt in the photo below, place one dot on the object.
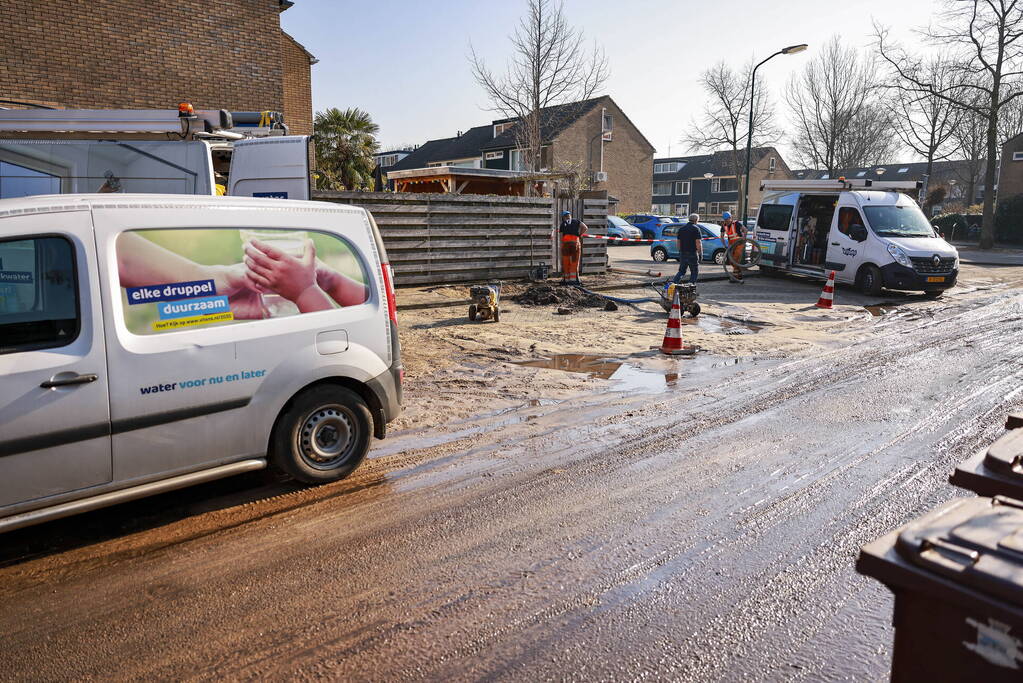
(542, 294)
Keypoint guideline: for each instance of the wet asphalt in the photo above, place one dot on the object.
(704, 530)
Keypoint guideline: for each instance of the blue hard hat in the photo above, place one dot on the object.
(566, 213)
(726, 215)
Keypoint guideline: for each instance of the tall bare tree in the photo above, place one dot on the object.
(838, 122)
(925, 122)
(985, 42)
(970, 138)
(550, 65)
(724, 124)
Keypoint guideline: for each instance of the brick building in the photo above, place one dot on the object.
(707, 183)
(593, 138)
(126, 54)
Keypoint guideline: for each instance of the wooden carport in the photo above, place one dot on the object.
(461, 180)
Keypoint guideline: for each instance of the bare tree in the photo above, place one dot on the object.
(724, 124)
(551, 65)
(985, 41)
(837, 122)
(926, 123)
(970, 138)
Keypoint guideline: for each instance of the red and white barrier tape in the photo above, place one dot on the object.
(619, 239)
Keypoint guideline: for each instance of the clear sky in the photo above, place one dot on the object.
(405, 61)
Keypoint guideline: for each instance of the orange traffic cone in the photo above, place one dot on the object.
(672, 344)
(828, 295)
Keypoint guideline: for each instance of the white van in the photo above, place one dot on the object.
(150, 342)
(870, 234)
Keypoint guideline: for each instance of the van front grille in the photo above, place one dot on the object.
(925, 264)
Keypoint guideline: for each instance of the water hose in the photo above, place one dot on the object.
(617, 300)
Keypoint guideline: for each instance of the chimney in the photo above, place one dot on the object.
(459, 134)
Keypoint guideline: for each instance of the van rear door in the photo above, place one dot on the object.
(54, 406)
(276, 167)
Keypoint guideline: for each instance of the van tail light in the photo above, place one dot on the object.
(392, 303)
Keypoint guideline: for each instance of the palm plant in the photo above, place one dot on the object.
(345, 142)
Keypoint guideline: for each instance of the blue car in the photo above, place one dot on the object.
(650, 224)
(667, 247)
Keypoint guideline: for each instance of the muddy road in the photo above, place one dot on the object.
(694, 519)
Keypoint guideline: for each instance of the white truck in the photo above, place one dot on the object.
(71, 151)
(870, 233)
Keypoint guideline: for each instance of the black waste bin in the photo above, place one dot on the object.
(957, 576)
(998, 469)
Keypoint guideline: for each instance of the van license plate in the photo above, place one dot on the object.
(935, 279)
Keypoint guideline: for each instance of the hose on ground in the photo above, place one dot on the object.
(745, 264)
(617, 300)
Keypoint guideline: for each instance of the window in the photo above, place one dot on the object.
(848, 217)
(668, 167)
(204, 296)
(682, 187)
(772, 165)
(1017, 156)
(715, 208)
(825, 177)
(21, 181)
(606, 123)
(701, 207)
(659, 209)
(904, 169)
(494, 155)
(517, 160)
(715, 184)
(682, 209)
(729, 185)
(501, 127)
(861, 174)
(388, 160)
(38, 294)
(662, 188)
(774, 217)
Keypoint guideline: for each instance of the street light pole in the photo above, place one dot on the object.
(790, 50)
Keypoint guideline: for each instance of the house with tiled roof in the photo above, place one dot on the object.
(593, 138)
(707, 184)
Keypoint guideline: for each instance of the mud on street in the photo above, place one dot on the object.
(625, 516)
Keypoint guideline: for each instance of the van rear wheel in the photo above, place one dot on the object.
(323, 436)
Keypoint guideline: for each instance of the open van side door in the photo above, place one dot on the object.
(276, 167)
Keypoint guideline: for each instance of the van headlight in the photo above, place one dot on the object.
(899, 255)
(955, 265)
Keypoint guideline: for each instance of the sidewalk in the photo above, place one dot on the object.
(999, 256)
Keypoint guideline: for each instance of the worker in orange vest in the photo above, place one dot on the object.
(571, 231)
(731, 232)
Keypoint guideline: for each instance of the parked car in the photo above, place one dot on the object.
(620, 228)
(650, 224)
(129, 369)
(667, 247)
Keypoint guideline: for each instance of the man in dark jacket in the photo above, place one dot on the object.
(690, 249)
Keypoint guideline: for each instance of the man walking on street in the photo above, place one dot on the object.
(731, 232)
(571, 231)
(690, 249)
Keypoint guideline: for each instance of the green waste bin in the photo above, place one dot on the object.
(957, 576)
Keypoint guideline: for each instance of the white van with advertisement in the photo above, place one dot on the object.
(150, 342)
(870, 233)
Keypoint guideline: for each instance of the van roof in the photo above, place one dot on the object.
(81, 202)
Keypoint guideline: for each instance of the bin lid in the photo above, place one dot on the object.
(1005, 455)
(974, 541)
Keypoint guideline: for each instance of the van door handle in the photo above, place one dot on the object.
(70, 381)
(835, 244)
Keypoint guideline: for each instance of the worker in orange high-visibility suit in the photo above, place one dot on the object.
(571, 231)
(731, 234)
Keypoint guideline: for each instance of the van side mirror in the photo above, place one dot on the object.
(858, 233)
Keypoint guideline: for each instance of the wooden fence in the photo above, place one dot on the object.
(438, 238)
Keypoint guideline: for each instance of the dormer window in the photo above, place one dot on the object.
(501, 127)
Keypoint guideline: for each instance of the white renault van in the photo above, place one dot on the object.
(150, 342)
(870, 234)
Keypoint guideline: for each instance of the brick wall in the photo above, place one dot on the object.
(143, 55)
(298, 92)
(1010, 172)
(628, 158)
(760, 172)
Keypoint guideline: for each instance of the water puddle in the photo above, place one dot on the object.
(878, 311)
(628, 376)
(722, 325)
